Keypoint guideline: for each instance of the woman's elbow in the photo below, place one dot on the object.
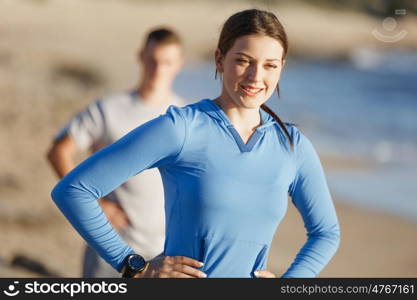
(330, 234)
(58, 192)
(55, 193)
(333, 235)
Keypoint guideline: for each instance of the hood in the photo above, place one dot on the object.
(214, 110)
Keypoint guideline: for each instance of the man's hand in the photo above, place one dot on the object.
(172, 267)
(115, 213)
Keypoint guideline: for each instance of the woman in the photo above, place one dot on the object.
(227, 167)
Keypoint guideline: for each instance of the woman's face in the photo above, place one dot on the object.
(251, 70)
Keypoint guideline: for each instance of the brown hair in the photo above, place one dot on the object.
(254, 21)
(162, 36)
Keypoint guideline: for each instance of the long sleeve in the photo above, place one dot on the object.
(311, 197)
(154, 144)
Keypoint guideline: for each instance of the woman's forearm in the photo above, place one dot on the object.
(315, 254)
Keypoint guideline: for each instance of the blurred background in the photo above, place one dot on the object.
(350, 84)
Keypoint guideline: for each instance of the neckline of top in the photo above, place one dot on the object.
(214, 110)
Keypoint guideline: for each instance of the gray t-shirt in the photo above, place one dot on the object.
(142, 197)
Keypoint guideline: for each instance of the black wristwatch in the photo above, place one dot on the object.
(134, 264)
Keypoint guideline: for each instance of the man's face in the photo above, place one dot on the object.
(161, 63)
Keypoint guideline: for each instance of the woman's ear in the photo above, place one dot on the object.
(283, 63)
(218, 57)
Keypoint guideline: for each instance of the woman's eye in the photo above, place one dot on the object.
(271, 66)
(242, 61)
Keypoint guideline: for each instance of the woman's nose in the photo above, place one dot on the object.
(254, 73)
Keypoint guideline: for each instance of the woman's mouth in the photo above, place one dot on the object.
(250, 90)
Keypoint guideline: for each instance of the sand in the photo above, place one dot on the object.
(56, 56)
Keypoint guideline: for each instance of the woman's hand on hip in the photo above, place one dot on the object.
(264, 274)
(172, 267)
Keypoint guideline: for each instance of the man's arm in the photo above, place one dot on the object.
(83, 130)
(61, 155)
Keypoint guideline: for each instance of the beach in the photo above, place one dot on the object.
(56, 57)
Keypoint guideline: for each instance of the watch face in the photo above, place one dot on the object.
(136, 262)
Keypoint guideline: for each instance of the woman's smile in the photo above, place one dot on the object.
(250, 90)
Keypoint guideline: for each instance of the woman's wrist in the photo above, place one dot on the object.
(141, 274)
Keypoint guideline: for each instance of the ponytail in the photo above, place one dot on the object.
(280, 123)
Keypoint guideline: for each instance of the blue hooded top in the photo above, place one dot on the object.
(223, 198)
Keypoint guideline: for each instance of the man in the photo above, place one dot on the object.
(136, 208)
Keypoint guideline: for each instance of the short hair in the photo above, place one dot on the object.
(162, 36)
